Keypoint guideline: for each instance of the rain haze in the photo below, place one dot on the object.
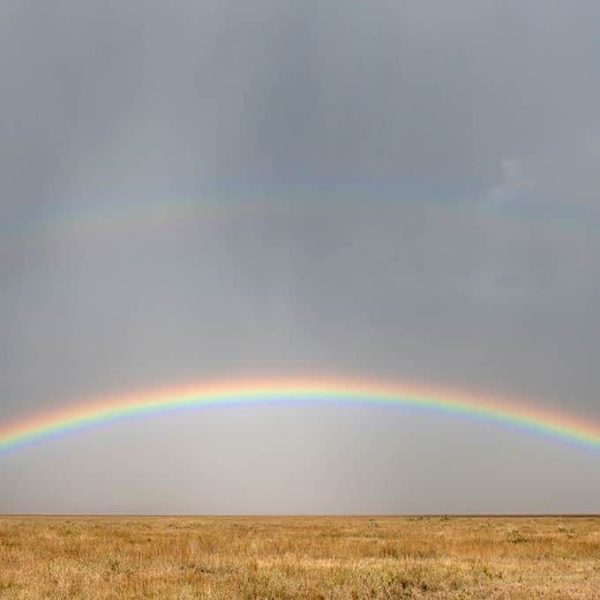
(221, 190)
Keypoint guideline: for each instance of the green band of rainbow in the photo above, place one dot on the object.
(488, 408)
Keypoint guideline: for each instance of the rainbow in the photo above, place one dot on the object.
(100, 219)
(478, 407)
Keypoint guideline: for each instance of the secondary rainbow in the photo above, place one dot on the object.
(479, 407)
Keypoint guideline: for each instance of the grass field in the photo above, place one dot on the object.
(299, 557)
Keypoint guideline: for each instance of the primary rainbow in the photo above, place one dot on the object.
(478, 407)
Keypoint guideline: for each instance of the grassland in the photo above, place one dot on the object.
(297, 557)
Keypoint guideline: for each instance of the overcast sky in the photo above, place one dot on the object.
(224, 188)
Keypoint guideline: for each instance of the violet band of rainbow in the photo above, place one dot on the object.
(476, 407)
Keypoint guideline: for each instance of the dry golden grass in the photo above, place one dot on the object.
(279, 558)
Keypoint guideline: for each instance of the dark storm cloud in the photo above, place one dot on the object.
(412, 98)
(424, 203)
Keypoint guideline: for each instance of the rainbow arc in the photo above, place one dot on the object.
(476, 407)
